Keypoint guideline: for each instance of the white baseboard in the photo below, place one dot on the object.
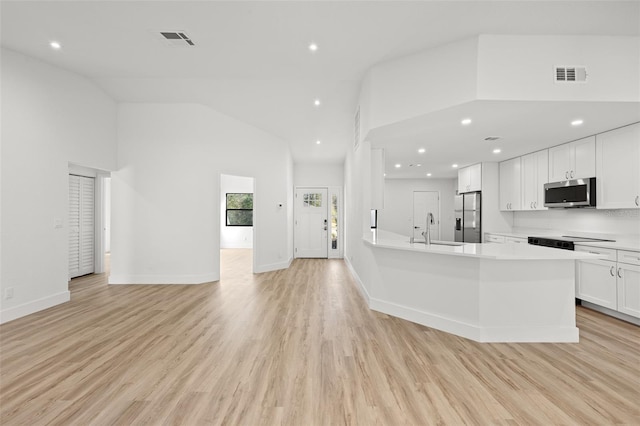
(458, 328)
(32, 307)
(361, 287)
(163, 279)
(273, 266)
(611, 312)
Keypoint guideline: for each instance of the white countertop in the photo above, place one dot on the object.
(620, 243)
(508, 251)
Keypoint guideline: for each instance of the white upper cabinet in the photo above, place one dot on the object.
(618, 168)
(573, 160)
(535, 172)
(510, 190)
(470, 179)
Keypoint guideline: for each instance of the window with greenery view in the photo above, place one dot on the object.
(239, 209)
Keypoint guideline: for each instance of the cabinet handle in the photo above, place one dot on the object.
(531, 205)
(611, 272)
(566, 175)
(637, 200)
(535, 205)
(571, 174)
(619, 272)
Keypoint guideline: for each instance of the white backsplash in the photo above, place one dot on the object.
(614, 222)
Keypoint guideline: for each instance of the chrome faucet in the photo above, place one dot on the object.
(427, 233)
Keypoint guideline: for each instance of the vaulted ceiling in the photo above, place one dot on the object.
(251, 59)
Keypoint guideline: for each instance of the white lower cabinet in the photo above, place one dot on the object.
(628, 277)
(613, 283)
(596, 282)
(492, 238)
(518, 240)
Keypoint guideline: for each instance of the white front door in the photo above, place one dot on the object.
(311, 222)
(426, 202)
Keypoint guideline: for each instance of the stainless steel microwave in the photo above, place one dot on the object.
(570, 193)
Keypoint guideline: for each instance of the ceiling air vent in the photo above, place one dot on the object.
(492, 138)
(570, 74)
(176, 38)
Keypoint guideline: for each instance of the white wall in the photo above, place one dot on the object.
(234, 236)
(522, 67)
(421, 83)
(613, 222)
(397, 215)
(166, 193)
(310, 174)
(50, 117)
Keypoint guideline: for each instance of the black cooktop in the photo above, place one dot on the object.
(565, 242)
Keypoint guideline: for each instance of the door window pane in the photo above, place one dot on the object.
(312, 200)
(334, 222)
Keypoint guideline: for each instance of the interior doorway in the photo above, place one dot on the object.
(236, 225)
(82, 227)
(425, 202)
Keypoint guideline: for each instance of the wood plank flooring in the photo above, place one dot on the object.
(295, 347)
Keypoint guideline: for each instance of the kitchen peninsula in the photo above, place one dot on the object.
(484, 292)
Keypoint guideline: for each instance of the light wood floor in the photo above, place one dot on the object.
(295, 347)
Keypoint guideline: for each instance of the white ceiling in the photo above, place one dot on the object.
(522, 127)
(251, 59)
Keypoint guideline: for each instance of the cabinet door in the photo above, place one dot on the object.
(490, 238)
(596, 282)
(618, 168)
(529, 181)
(515, 240)
(629, 289)
(535, 171)
(475, 177)
(510, 190)
(464, 180)
(542, 166)
(584, 158)
(561, 160)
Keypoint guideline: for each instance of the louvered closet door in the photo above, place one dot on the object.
(81, 225)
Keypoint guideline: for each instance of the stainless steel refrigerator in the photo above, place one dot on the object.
(468, 217)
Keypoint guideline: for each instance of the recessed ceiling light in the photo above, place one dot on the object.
(455, 166)
(55, 45)
(384, 174)
(397, 166)
(318, 142)
(418, 165)
(316, 102)
(577, 122)
(428, 174)
(421, 151)
(497, 151)
(466, 122)
(313, 47)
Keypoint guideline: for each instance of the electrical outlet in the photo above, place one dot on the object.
(8, 293)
